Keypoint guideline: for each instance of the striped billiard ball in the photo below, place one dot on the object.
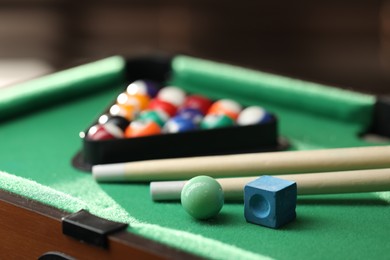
(197, 102)
(225, 107)
(253, 115)
(143, 87)
(173, 95)
(104, 132)
(213, 121)
(195, 115)
(179, 124)
(158, 116)
(141, 128)
(161, 105)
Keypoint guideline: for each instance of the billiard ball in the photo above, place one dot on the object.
(104, 132)
(168, 108)
(138, 101)
(253, 115)
(144, 87)
(216, 121)
(103, 119)
(118, 121)
(227, 107)
(142, 128)
(173, 95)
(195, 115)
(179, 124)
(198, 102)
(202, 197)
(158, 116)
(128, 112)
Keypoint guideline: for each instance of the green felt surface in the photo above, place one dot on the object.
(39, 146)
(59, 86)
(216, 79)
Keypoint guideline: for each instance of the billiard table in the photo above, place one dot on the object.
(51, 209)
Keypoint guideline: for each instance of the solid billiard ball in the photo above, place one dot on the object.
(142, 128)
(179, 124)
(202, 197)
(198, 102)
(226, 107)
(138, 101)
(253, 115)
(128, 112)
(158, 116)
(195, 115)
(168, 108)
(216, 121)
(104, 132)
(144, 87)
(173, 95)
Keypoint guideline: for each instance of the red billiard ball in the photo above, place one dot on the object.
(168, 108)
(197, 102)
(104, 132)
(173, 95)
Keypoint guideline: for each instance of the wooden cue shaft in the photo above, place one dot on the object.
(307, 184)
(254, 164)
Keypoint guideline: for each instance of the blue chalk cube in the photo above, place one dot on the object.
(270, 201)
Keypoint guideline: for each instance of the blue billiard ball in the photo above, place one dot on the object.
(193, 114)
(253, 115)
(143, 87)
(179, 124)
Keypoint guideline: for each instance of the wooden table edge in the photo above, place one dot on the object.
(31, 229)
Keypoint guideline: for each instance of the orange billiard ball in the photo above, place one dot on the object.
(128, 112)
(138, 101)
(142, 128)
(225, 107)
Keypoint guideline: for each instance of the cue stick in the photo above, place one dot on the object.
(307, 184)
(251, 164)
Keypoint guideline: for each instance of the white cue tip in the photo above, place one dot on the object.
(109, 172)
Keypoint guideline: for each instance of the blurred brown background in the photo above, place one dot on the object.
(343, 43)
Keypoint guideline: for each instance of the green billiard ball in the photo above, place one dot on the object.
(158, 117)
(202, 197)
(216, 121)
